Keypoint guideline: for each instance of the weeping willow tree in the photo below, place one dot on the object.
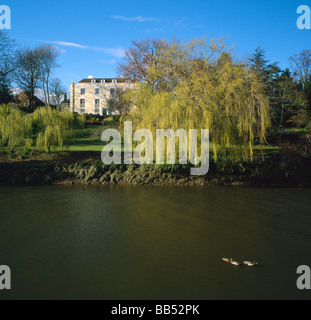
(45, 128)
(53, 127)
(14, 130)
(200, 86)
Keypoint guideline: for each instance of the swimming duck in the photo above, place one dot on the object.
(226, 259)
(235, 263)
(249, 264)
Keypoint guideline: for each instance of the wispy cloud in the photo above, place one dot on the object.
(137, 19)
(64, 44)
(117, 52)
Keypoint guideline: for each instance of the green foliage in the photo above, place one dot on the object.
(287, 92)
(118, 103)
(286, 101)
(14, 130)
(53, 127)
(5, 93)
(45, 128)
(204, 89)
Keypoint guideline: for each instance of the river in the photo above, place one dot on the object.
(126, 242)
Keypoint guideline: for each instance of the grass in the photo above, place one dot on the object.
(89, 140)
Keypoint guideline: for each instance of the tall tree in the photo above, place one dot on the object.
(29, 73)
(268, 74)
(7, 56)
(260, 65)
(211, 91)
(48, 56)
(301, 65)
(162, 65)
(140, 58)
(307, 91)
(7, 66)
(57, 91)
(287, 99)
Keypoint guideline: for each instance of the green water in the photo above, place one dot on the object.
(97, 242)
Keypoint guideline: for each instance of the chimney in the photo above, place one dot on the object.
(90, 77)
(121, 76)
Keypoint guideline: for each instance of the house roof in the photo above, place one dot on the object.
(107, 80)
(22, 98)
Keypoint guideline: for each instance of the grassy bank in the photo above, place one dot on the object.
(80, 162)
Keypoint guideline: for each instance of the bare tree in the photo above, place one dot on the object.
(29, 73)
(48, 56)
(301, 65)
(7, 56)
(140, 58)
(163, 65)
(57, 90)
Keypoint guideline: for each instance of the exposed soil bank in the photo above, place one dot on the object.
(86, 168)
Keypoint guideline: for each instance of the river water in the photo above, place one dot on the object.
(104, 242)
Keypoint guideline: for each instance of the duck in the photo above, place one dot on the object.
(249, 263)
(235, 263)
(226, 259)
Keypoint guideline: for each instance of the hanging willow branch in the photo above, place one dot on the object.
(218, 94)
(45, 127)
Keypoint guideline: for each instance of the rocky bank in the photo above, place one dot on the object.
(275, 170)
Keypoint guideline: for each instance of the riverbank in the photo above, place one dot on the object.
(86, 168)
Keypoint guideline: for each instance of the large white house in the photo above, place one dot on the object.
(91, 95)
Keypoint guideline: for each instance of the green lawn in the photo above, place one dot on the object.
(89, 139)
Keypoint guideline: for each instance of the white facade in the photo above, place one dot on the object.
(90, 95)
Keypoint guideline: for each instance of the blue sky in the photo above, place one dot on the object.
(93, 34)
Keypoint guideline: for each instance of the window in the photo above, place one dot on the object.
(97, 91)
(112, 91)
(114, 81)
(128, 81)
(82, 105)
(103, 81)
(97, 102)
(93, 81)
(82, 92)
